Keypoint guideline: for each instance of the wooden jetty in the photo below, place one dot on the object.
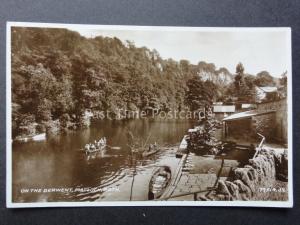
(182, 149)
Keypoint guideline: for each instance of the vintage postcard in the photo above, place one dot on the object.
(148, 116)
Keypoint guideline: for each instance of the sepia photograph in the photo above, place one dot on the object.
(102, 115)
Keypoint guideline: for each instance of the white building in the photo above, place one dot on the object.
(262, 93)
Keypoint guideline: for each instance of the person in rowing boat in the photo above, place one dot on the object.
(150, 148)
(100, 142)
(97, 144)
(87, 147)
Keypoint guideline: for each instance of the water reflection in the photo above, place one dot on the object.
(59, 162)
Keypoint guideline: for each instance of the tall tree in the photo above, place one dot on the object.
(263, 78)
(199, 94)
(239, 77)
(244, 85)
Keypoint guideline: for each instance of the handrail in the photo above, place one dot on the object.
(262, 140)
(258, 149)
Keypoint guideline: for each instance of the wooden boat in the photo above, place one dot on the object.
(37, 137)
(96, 148)
(101, 148)
(151, 152)
(159, 182)
(145, 151)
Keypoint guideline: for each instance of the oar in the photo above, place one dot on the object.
(146, 140)
(114, 147)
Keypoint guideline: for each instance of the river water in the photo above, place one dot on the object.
(57, 170)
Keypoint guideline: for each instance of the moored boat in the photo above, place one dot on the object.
(37, 137)
(159, 182)
(152, 149)
(150, 152)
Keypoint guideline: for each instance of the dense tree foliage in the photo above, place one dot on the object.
(263, 78)
(243, 88)
(58, 74)
(200, 94)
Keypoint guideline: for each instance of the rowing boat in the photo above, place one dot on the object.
(37, 137)
(159, 182)
(151, 152)
(96, 149)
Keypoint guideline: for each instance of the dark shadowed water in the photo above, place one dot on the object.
(56, 169)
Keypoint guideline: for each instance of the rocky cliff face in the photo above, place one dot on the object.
(220, 77)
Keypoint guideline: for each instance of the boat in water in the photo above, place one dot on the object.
(96, 146)
(98, 149)
(37, 137)
(159, 182)
(150, 151)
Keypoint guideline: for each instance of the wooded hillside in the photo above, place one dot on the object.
(58, 74)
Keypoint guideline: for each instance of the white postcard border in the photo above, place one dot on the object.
(10, 204)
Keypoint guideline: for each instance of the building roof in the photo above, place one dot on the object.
(246, 106)
(218, 103)
(247, 114)
(192, 130)
(268, 89)
(224, 108)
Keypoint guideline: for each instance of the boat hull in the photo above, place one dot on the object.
(159, 182)
(145, 154)
(37, 137)
(96, 150)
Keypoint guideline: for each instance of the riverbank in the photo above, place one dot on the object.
(58, 162)
(205, 178)
(67, 123)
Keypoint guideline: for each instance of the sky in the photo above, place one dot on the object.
(257, 50)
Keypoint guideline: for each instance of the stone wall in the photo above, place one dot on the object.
(246, 183)
(281, 121)
(264, 124)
